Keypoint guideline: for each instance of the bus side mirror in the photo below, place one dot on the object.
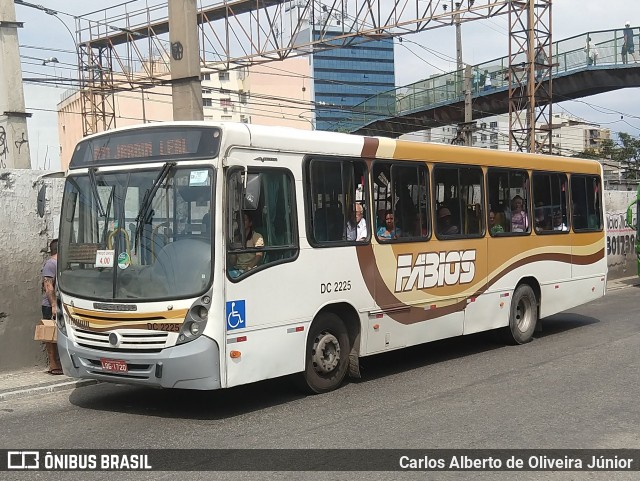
(42, 199)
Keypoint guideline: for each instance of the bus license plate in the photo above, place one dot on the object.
(114, 365)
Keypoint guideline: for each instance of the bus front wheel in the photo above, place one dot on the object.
(327, 354)
(523, 317)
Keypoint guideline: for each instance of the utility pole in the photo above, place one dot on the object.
(14, 139)
(468, 127)
(458, 38)
(186, 89)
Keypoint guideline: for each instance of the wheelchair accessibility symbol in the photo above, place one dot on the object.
(235, 315)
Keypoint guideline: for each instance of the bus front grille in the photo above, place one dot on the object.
(130, 341)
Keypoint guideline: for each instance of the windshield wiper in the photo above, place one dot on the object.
(94, 191)
(141, 219)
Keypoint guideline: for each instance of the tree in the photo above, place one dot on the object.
(629, 154)
(626, 151)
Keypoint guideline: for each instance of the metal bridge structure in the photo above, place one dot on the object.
(121, 50)
(576, 72)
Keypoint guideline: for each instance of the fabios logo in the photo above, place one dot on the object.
(432, 269)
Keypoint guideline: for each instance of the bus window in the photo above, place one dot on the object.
(586, 205)
(550, 201)
(335, 186)
(261, 228)
(458, 199)
(400, 194)
(508, 193)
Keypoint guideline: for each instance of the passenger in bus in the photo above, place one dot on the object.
(357, 227)
(421, 225)
(558, 223)
(389, 230)
(519, 222)
(206, 224)
(405, 210)
(445, 222)
(494, 226)
(248, 260)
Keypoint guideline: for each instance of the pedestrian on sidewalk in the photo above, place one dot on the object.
(49, 305)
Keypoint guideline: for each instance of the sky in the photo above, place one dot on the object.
(45, 36)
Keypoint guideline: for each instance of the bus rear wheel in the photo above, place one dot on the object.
(523, 317)
(327, 354)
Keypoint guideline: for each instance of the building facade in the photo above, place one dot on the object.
(570, 135)
(345, 77)
(276, 93)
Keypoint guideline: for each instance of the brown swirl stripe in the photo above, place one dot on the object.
(411, 315)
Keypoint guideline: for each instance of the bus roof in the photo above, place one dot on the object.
(342, 144)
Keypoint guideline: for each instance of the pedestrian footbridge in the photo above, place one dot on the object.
(439, 100)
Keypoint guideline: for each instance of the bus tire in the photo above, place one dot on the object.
(327, 354)
(523, 316)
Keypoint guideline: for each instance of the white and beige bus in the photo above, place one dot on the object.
(208, 255)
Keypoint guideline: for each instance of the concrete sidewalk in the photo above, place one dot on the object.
(37, 381)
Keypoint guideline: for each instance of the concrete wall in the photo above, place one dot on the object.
(621, 238)
(24, 239)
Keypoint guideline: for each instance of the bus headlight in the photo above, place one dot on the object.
(60, 315)
(195, 321)
(194, 328)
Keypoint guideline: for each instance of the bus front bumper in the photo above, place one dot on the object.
(193, 365)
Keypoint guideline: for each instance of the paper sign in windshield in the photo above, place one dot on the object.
(198, 177)
(104, 258)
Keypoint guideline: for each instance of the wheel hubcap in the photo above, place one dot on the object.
(326, 353)
(524, 314)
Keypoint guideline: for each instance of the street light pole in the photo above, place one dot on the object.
(14, 138)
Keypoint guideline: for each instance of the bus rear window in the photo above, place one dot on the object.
(147, 145)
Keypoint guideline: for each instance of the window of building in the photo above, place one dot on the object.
(493, 137)
(223, 75)
(206, 102)
(243, 97)
(483, 137)
(493, 125)
(474, 139)
(333, 188)
(400, 201)
(586, 203)
(459, 202)
(226, 102)
(508, 194)
(205, 76)
(261, 220)
(550, 202)
(226, 117)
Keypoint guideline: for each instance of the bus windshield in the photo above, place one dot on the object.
(137, 235)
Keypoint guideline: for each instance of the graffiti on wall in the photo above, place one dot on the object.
(4, 149)
(621, 238)
(20, 142)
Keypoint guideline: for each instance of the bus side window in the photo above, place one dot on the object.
(550, 200)
(261, 226)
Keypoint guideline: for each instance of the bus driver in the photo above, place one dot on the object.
(248, 260)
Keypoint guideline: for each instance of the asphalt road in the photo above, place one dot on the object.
(577, 385)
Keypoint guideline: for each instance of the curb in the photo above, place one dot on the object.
(51, 388)
(623, 283)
